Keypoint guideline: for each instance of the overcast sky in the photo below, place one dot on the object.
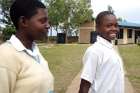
(127, 9)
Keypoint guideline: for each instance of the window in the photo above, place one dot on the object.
(120, 34)
(129, 34)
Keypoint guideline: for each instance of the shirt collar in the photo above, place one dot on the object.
(104, 42)
(20, 47)
(16, 43)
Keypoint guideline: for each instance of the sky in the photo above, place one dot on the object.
(126, 9)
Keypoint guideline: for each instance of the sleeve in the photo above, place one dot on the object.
(7, 80)
(90, 61)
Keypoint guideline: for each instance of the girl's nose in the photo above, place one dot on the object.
(47, 25)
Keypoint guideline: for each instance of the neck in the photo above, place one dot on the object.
(105, 38)
(23, 37)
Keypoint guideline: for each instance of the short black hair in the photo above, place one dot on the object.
(25, 8)
(101, 15)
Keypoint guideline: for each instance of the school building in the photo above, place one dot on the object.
(128, 34)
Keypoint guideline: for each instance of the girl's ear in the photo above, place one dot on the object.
(23, 21)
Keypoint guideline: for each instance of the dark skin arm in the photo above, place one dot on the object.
(84, 86)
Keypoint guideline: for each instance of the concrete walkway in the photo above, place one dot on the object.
(74, 86)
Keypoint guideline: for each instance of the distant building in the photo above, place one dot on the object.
(129, 32)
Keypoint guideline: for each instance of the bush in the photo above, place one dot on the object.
(7, 32)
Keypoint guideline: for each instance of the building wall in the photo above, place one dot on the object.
(84, 36)
(132, 40)
(125, 39)
(120, 41)
(85, 30)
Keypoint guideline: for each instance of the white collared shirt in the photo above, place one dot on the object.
(103, 68)
(20, 47)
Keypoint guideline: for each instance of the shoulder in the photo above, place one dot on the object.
(8, 58)
(95, 48)
(7, 50)
(5, 47)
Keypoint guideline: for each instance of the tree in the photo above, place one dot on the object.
(68, 14)
(5, 7)
(109, 8)
(120, 19)
(5, 19)
(7, 32)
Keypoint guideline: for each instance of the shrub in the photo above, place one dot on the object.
(7, 32)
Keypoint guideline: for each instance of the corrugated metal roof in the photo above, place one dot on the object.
(129, 24)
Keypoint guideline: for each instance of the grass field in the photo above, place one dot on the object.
(131, 58)
(64, 62)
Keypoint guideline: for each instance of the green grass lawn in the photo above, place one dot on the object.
(64, 62)
(131, 58)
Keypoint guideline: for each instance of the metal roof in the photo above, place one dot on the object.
(128, 24)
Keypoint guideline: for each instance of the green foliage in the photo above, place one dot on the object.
(120, 19)
(5, 19)
(65, 14)
(5, 7)
(7, 32)
(68, 14)
(81, 13)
